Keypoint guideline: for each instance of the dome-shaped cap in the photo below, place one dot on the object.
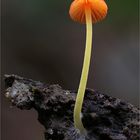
(98, 10)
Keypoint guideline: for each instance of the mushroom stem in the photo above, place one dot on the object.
(83, 82)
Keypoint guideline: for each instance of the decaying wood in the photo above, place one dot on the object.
(104, 117)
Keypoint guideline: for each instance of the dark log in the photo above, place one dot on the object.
(104, 117)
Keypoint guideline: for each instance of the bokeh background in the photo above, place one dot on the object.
(40, 41)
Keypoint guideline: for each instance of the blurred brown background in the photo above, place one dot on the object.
(40, 41)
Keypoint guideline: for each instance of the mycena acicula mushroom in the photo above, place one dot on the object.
(88, 12)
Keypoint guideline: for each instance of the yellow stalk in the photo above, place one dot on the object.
(83, 82)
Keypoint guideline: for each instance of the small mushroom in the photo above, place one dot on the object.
(86, 11)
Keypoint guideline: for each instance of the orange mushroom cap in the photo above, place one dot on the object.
(98, 10)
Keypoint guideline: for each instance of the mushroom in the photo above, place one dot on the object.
(85, 11)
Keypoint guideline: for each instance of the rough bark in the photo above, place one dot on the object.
(104, 117)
